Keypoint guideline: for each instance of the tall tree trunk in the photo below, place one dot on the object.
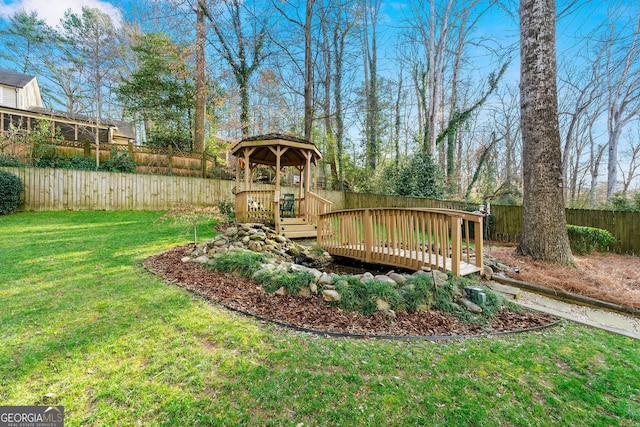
(397, 121)
(201, 84)
(308, 72)
(544, 226)
(338, 47)
(372, 116)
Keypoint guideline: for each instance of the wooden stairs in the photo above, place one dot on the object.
(297, 228)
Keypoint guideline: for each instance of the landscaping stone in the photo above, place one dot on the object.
(202, 259)
(297, 268)
(186, 259)
(384, 279)
(281, 291)
(398, 278)
(382, 305)
(390, 314)
(255, 246)
(231, 231)
(487, 273)
(325, 279)
(365, 277)
(316, 274)
(313, 288)
(305, 292)
(330, 295)
(470, 306)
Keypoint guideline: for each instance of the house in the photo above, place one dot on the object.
(21, 106)
(19, 91)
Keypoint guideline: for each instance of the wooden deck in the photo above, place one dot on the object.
(409, 238)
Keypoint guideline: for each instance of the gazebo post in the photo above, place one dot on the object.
(247, 171)
(238, 176)
(276, 195)
(307, 184)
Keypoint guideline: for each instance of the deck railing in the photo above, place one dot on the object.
(410, 238)
(313, 206)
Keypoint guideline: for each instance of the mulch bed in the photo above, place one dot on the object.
(313, 313)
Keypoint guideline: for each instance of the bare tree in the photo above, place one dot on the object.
(633, 168)
(244, 53)
(620, 65)
(544, 227)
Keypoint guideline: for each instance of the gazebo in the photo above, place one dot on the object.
(292, 215)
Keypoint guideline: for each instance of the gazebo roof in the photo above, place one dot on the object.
(263, 154)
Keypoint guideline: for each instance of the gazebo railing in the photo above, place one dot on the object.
(254, 205)
(258, 206)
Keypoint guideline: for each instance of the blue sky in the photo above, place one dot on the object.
(52, 10)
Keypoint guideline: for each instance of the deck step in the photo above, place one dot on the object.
(293, 221)
(296, 230)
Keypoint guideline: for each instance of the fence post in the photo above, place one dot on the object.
(368, 235)
(203, 160)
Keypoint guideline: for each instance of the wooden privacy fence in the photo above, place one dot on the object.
(624, 226)
(410, 238)
(69, 189)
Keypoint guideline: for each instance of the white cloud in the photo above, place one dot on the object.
(53, 10)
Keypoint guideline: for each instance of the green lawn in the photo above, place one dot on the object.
(83, 323)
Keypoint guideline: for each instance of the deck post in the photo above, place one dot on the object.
(456, 244)
(479, 237)
(368, 235)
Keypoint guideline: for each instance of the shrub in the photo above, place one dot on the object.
(419, 291)
(584, 240)
(358, 296)
(119, 162)
(10, 161)
(243, 264)
(292, 282)
(53, 160)
(10, 191)
(227, 208)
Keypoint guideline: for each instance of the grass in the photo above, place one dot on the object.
(82, 320)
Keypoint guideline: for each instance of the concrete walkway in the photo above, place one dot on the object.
(611, 321)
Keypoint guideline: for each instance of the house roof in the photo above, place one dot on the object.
(124, 128)
(13, 79)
